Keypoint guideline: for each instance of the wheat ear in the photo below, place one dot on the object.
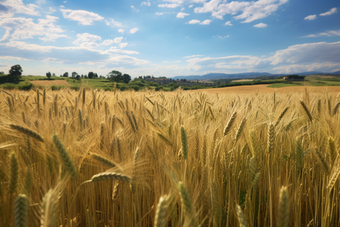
(71, 168)
(161, 212)
(299, 156)
(102, 159)
(283, 215)
(110, 176)
(270, 142)
(306, 110)
(27, 132)
(230, 123)
(322, 160)
(48, 210)
(332, 149)
(14, 173)
(333, 179)
(240, 129)
(184, 140)
(281, 116)
(21, 211)
(241, 217)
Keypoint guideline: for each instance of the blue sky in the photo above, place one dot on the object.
(170, 37)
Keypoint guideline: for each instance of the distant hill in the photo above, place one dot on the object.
(215, 76)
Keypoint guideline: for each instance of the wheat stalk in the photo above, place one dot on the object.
(240, 129)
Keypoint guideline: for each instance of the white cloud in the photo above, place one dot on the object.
(82, 16)
(190, 6)
(145, 4)
(133, 30)
(111, 22)
(24, 28)
(326, 67)
(330, 12)
(194, 22)
(182, 15)
(193, 56)
(253, 10)
(52, 37)
(109, 42)
(228, 23)
(173, 5)
(86, 37)
(122, 45)
(205, 22)
(328, 33)
(134, 9)
(40, 2)
(11, 7)
(158, 14)
(121, 30)
(260, 25)
(310, 17)
(308, 52)
(114, 50)
(221, 37)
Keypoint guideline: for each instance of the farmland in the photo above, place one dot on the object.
(182, 158)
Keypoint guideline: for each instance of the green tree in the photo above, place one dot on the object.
(126, 78)
(74, 75)
(115, 76)
(48, 75)
(2, 73)
(65, 74)
(90, 75)
(15, 72)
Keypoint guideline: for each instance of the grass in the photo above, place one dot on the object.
(96, 158)
(279, 85)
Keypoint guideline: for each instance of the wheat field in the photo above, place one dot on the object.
(95, 158)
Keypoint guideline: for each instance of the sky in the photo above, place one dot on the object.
(170, 37)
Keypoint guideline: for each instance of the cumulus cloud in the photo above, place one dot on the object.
(330, 12)
(328, 33)
(228, 23)
(310, 17)
(82, 16)
(205, 22)
(109, 42)
(24, 28)
(182, 15)
(221, 37)
(145, 4)
(249, 11)
(193, 56)
(10, 7)
(122, 45)
(297, 58)
(133, 30)
(158, 13)
(86, 37)
(173, 5)
(111, 22)
(121, 30)
(260, 25)
(194, 21)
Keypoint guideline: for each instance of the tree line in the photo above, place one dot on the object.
(114, 76)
